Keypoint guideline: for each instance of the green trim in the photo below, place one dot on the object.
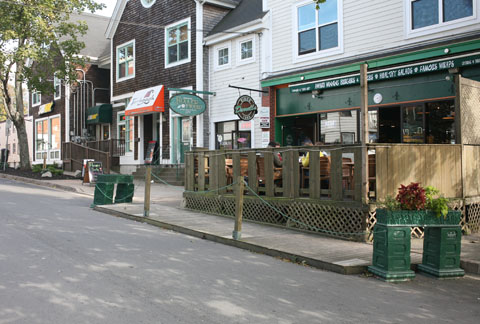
(193, 91)
(376, 63)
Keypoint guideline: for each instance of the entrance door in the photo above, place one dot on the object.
(182, 135)
(389, 130)
(147, 132)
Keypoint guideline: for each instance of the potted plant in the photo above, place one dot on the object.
(416, 206)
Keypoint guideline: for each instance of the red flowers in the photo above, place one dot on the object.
(411, 197)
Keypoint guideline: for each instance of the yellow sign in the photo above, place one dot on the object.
(92, 117)
(46, 108)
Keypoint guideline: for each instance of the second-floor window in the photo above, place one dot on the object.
(36, 98)
(317, 29)
(126, 61)
(223, 56)
(426, 13)
(178, 43)
(246, 50)
(57, 83)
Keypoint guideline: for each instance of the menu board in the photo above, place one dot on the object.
(94, 168)
(150, 152)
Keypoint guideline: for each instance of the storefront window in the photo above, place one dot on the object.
(125, 130)
(48, 138)
(339, 127)
(233, 135)
(440, 122)
(412, 127)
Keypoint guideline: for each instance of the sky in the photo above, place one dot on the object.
(108, 10)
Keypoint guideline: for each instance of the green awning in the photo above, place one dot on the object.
(101, 114)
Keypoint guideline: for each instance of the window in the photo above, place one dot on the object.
(126, 61)
(57, 83)
(233, 135)
(47, 138)
(14, 148)
(318, 30)
(36, 98)
(148, 3)
(438, 13)
(125, 130)
(223, 56)
(178, 43)
(246, 51)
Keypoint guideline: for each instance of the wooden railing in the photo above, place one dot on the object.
(116, 147)
(336, 176)
(73, 155)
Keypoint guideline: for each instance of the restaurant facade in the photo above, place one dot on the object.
(411, 98)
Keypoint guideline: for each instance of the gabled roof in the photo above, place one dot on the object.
(96, 44)
(120, 7)
(245, 12)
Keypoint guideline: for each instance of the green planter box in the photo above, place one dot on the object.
(441, 252)
(416, 217)
(124, 193)
(103, 194)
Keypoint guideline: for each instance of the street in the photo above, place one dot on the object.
(62, 262)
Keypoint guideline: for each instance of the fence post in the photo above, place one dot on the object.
(148, 179)
(237, 231)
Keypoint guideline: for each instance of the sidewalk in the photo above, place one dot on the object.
(335, 255)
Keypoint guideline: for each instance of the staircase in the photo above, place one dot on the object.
(172, 174)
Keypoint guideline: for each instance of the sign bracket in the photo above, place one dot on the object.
(248, 89)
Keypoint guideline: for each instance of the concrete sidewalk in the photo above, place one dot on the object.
(336, 255)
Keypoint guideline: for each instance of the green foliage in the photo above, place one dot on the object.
(318, 2)
(439, 204)
(389, 203)
(37, 168)
(53, 169)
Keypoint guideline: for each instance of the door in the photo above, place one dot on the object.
(182, 137)
(389, 130)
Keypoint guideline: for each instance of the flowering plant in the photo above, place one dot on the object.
(411, 197)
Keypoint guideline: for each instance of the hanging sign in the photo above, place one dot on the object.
(46, 108)
(186, 104)
(245, 108)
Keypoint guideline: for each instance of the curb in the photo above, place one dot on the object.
(346, 270)
(43, 183)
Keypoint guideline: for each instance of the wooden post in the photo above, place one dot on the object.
(237, 231)
(364, 127)
(268, 167)
(148, 179)
(44, 160)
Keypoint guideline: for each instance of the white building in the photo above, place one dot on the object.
(12, 145)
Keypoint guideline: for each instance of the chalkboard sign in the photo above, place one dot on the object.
(94, 169)
(150, 152)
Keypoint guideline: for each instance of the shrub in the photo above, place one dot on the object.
(37, 168)
(411, 197)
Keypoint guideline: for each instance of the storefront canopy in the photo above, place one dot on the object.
(147, 101)
(101, 114)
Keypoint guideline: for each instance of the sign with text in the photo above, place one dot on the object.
(152, 145)
(245, 108)
(389, 74)
(94, 168)
(186, 104)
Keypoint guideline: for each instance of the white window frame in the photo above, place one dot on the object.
(441, 26)
(49, 150)
(241, 61)
(146, 4)
(39, 96)
(217, 49)
(57, 81)
(317, 54)
(189, 58)
(117, 71)
(127, 130)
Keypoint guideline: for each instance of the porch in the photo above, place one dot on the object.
(326, 196)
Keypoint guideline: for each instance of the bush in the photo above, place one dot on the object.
(37, 168)
(54, 170)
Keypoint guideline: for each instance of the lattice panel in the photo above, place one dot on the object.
(208, 204)
(257, 210)
(332, 220)
(473, 217)
(469, 103)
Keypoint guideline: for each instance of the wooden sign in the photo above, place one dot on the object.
(152, 145)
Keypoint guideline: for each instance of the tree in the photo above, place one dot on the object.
(318, 2)
(37, 31)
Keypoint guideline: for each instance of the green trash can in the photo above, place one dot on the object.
(103, 194)
(105, 189)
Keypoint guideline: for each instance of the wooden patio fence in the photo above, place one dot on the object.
(73, 155)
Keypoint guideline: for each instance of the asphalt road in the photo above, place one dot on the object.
(61, 262)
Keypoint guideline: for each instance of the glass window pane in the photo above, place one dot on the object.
(183, 50)
(121, 70)
(412, 128)
(130, 52)
(456, 9)
(172, 54)
(172, 36)
(131, 67)
(184, 33)
(121, 55)
(328, 36)
(327, 12)
(306, 42)
(247, 50)
(440, 121)
(55, 137)
(424, 13)
(306, 17)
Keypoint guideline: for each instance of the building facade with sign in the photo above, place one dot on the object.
(415, 51)
(157, 49)
(64, 115)
(239, 117)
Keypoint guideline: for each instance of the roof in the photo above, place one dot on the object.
(96, 44)
(245, 12)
